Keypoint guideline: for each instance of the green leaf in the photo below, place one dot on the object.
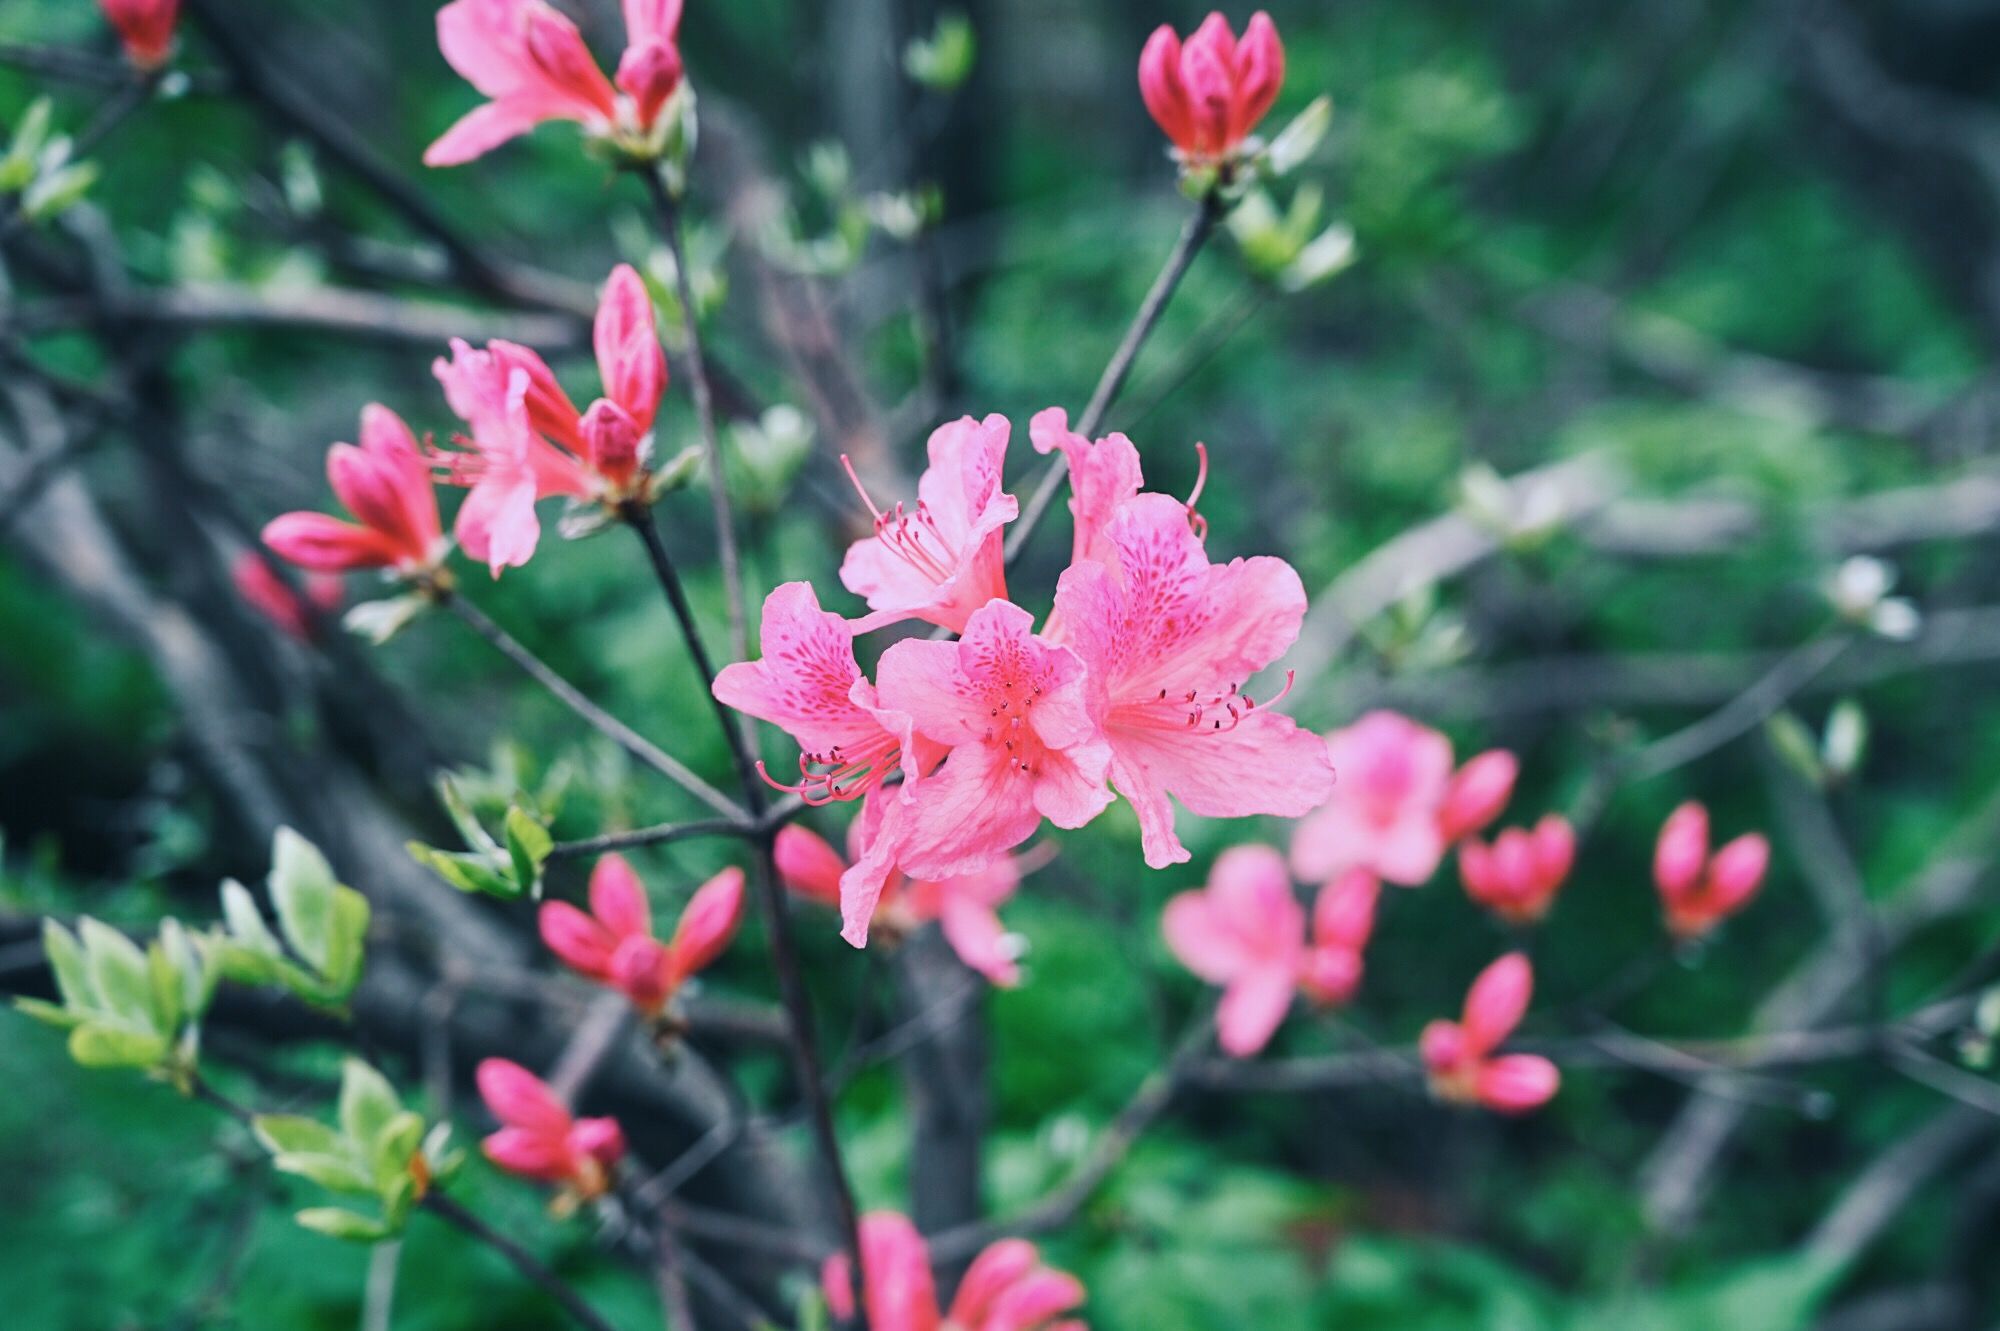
(379, 621)
(344, 945)
(942, 61)
(302, 885)
(464, 871)
(101, 1045)
(52, 1013)
(336, 1173)
(295, 1134)
(341, 1224)
(368, 1102)
(119, 975)
(67, 962)
(245, 921)
(1301, 138)
(528, 846)
(392, 1150)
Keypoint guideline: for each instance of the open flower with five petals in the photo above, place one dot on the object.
(1169, 639)
(944, 559)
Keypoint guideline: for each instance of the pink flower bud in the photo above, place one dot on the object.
(1207, 94)
(1737, 871)
(618, 898)
(642, 969)
(1442, 1046)
(1479, 791)
(1517, 1083)
(650, 74)
(583, 944)
(809, 866)
(146, 27)
(1682, 851)
(520, 1099)
(708, 923)
(270, 596)
(1496, 1002)
(629, 355)
(598, 1139)
(611, 443)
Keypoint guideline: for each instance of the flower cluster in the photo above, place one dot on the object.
(531, 64)
(524, 441)
(1135, 683)
(1007, 1288)
(614, 945)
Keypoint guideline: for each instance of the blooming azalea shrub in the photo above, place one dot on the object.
(918, 784)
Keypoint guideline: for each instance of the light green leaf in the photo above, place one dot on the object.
(245, 921)
(368, 1102)
(302, 885)
(336, 1173)
(341, 1224)
(466, 872)
(101, 1045)
(67, 962)
(1300, 139)
(119, 975)
(528, 845)
(295, 1134)
(344, 944)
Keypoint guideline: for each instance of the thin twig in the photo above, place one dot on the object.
(658, 835)
(704, 406)
(530, 1266)
(1199, 225)
(1151, 1100)
(617, 731)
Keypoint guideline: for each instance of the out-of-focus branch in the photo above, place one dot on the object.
(336, 311)
(647, 752)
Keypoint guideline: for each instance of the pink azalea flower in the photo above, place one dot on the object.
(944, 560)
(1459, 1054)
(1518, 876)
(1169, 639)
(1208, 93)
(270, 596)
(146, 27)
(808, 685)
(1247, 932)
(538, 1139)
(1396, 805)
(614, 944)
(966, 908)
(529, 441)
(387, 485)
(1007, 1288)
(1700, 891)
(532, 65)
(1010, 709)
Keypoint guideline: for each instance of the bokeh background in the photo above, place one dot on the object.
(1718, 277)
